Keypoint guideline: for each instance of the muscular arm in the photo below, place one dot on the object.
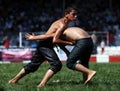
(46, 36)
(38, 37)
(57, 39)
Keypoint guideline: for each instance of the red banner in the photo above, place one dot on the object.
(16, 54)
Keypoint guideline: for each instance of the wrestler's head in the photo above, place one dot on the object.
(70, 13)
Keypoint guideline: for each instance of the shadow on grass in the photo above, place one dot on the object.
(64, 83)
(2, 89)
(95, 83)
(109, 83)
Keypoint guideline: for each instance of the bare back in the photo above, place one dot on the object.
(74, 34)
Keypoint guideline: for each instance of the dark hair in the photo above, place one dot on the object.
(69, 9)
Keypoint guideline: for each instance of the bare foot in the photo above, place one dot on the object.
(39, 88)
(40, 85)
(12, 81)
(90, 76)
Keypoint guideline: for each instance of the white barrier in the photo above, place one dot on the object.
(18, 55)
(109, 50)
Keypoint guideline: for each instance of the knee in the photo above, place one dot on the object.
(27, 71)
(30, 68)
(70, 65)
(57, 67)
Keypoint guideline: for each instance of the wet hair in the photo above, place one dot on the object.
(69, 9)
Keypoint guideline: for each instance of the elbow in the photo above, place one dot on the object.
(54, 41)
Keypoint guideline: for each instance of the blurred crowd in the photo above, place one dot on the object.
(36, 16)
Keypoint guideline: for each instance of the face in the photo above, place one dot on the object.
(72, 15)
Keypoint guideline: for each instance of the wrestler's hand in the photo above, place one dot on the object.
(73, 42)
(29, 36)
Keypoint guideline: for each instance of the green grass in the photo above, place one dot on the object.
(107, 78)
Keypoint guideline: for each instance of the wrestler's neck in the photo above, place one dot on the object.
(65, 20)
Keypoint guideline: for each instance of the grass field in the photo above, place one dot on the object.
(107, 78)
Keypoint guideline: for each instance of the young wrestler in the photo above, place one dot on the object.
(45, 50)
(83, 46)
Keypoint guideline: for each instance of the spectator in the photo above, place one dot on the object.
(6, 42)
(102, 44)
(112, 38)
(94, 38)
(92, 16)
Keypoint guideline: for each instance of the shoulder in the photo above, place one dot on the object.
(59, 24)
